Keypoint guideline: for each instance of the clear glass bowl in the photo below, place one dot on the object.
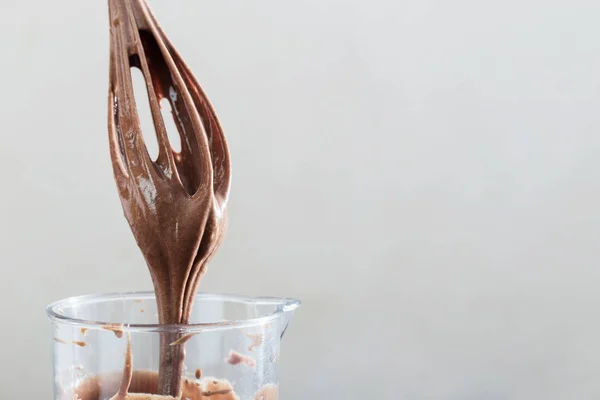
(230, 340)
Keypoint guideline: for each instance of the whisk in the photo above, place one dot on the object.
(175, 205)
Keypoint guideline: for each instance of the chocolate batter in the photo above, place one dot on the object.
(236, 358)
(143, 382)
(176, 205)
(269, 392)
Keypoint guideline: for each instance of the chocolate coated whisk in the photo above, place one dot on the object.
(176, 205)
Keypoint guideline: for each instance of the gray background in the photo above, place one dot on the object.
(424, 174)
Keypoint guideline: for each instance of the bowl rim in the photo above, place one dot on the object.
(56, 314)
